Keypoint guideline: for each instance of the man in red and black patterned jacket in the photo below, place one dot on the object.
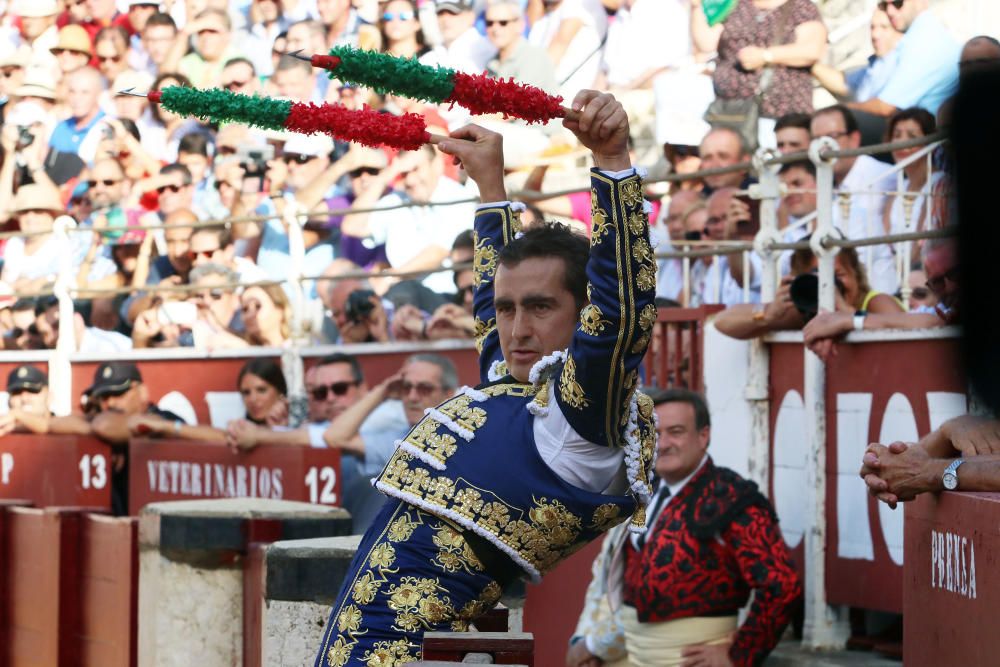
(711, 540)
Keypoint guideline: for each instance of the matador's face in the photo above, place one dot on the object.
(536, 313)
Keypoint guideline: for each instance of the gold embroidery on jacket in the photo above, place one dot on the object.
(641, 343)
(598, 220)
(466, 416)
(646, 278)
(606, 516)
(454, 553)
(569, 389)
(484, 261)
(390, 654)
(647, 318)
(484, 329)
(473, 609)
(642, 252)
(631, 193)
(425, 436)
(418, 603)
(592, 320)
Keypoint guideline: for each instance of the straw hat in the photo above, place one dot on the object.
(73, 38)
(35, 197)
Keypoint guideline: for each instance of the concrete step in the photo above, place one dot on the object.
(790, 653)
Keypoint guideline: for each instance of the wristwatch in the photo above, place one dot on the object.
(950, 477)
(859, 320)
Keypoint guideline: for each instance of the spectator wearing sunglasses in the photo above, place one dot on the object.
(943, 276)
(361, 166)
(515, 57)
(927, 73)
(302, 160)
(400, 30)
(110, 50)
(214, 245)
(368, 428)
(239, 75)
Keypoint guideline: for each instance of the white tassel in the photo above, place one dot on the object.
(450, 424)
(494, 373)
(543, 364)
(421, 454)
(641, 172)
(465, 522)
(538, 410)
(518, 206)
(647, 207)
(474, 394)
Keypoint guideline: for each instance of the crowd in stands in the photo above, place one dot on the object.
(167, 216)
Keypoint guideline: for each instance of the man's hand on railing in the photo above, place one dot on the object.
(970, 435)
(821, 332)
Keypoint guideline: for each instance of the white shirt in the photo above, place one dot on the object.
(865, 218)
(99, 341)
(648, 22)
(731, 293)
(468, 53)
(792, 235)
(674, 490)
(409, 231)
(583, 53)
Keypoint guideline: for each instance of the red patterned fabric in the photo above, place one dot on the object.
(712, 545)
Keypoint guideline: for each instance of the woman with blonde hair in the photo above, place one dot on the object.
(267, 315)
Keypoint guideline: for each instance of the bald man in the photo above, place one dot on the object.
(81, 132)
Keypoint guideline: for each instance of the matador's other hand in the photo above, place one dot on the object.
(480, 152)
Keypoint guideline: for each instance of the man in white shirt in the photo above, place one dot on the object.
(571, 31)
(462, 47)
(724, 278)
(859, 216)
(418, 237)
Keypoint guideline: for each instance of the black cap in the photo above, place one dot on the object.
(26, 378)
(114, 377)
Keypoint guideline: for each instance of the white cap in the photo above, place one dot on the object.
(35, 8)
(317, 145)
(25, 113)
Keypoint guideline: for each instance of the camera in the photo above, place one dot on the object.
(24, 136)
(804, 292)
(253, 159)
(359, 305)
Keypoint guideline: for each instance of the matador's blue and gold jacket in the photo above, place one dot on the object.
(473, 459)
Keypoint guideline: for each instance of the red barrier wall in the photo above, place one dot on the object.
(55, 470)
(875, 392)
(553, 607)
(162, 470)
(950, 585)
(109, 576)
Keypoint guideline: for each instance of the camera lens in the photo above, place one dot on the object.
(804, 292)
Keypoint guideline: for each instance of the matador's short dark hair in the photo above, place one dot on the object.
(553, 239)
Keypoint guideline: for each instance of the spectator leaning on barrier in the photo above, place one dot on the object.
(123, 408)
(963, 454)
(927, 72)
(943, 279)
(851, 176)
(864, 83)
(27, 401)
(369, 428)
